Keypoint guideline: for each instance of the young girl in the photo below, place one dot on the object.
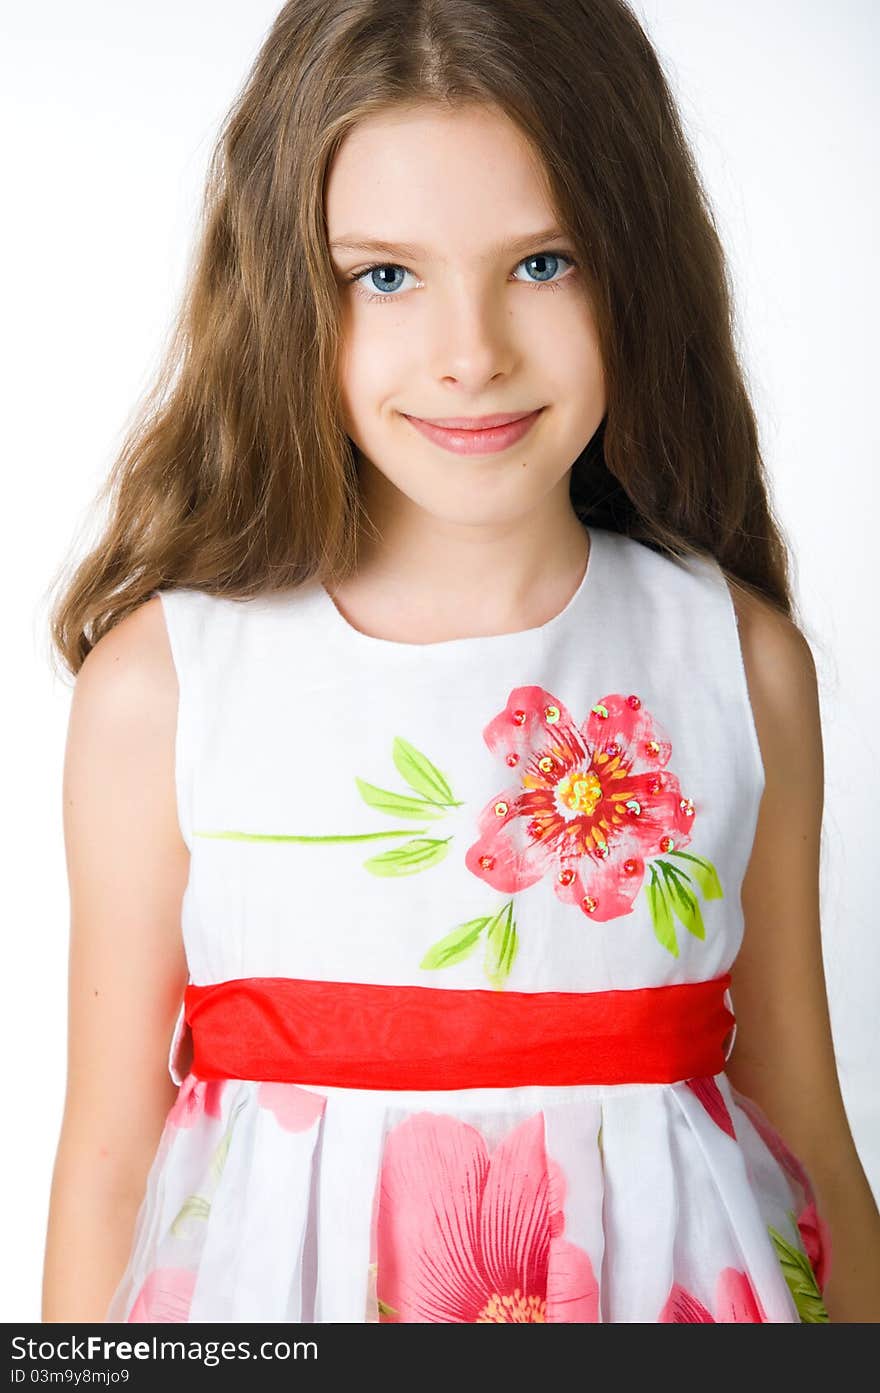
(444, 775)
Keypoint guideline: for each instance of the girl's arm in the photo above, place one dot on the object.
(127, 866)
(783, 1056)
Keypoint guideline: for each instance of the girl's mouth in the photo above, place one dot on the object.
(476, 442)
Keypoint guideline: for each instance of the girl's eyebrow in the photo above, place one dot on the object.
(357, 242)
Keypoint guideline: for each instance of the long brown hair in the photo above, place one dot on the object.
(237, 476)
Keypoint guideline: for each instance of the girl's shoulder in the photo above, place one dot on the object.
(124, 707)
(778, 660)
(783, 692)
(130, 667)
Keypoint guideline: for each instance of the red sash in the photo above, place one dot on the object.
(368, 1035)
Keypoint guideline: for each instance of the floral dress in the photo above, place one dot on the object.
(557, 815)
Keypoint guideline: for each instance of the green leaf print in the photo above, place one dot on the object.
(661, 914)
(800, 1277)
(704, 873)
(421, 774)
(457, 945)
(501, 945)
(413, 856)
(416, 854)
(396, 804)
(684, 904)
(194, 1207)
(218, 1160)
(198, 1206)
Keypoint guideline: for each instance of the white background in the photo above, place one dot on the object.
(110, 113)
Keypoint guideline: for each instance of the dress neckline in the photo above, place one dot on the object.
(367, 642)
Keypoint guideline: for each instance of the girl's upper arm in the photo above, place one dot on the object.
(127, 867)
(783, 1055)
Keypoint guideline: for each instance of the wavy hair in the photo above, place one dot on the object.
(236, 474)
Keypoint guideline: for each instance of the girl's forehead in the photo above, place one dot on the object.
(454, 141)
(411, 180)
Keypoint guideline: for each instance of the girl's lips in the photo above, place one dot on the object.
(477, 442)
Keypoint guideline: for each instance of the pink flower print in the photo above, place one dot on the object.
(588, 805)
(196, 1097)
(816, 1238)
(735, 1301)
(814, 1231)
(710, 1096)
(165, 1297)
(463, 1236)
(296, 1109)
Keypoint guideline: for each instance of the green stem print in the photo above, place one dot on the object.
(670, 894)
(501, 943)
(198, 1206)
(435, 799)
(800, 1277)
(431, 797)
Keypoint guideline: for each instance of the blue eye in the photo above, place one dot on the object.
(381, 266)
(550, 260)
(552, 257)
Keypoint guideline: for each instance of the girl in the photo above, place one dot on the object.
(444, 774)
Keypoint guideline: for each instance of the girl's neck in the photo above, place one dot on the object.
(429, 591)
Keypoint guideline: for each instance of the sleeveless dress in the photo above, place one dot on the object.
(565, 809)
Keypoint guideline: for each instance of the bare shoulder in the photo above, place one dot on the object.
(781, 675)
(130, 669)
(123, 718)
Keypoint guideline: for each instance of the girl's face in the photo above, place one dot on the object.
(470, 313)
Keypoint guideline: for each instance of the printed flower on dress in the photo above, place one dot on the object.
(465, 1236)
(165, 1297)
(592, 808)
(295, 1109)
(709, 1094)
(196, 1097)
(816, 1238)
(735, 1301)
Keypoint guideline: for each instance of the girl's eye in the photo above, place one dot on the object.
(547, 264)
(544, 265)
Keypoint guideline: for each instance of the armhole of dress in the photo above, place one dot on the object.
(182, 744)
(183, 779)
(739, 676)
(752, 738)
(745, 703)
(745, 697)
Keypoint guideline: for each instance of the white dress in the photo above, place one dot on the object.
(397, 814)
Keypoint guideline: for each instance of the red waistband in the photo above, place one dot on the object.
(368, 1035)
